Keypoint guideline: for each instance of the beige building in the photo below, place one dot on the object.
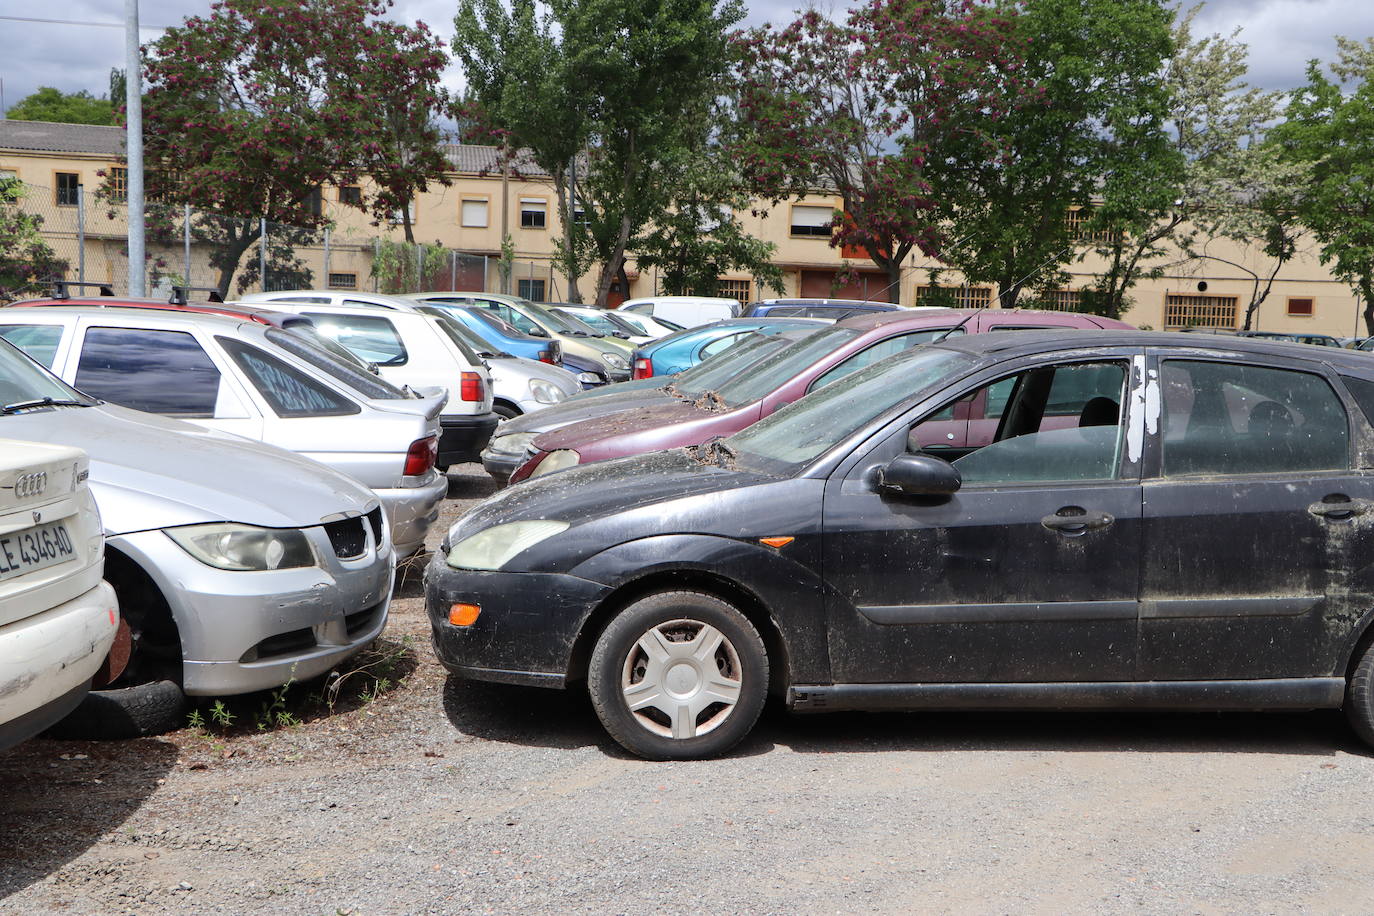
(63, 164)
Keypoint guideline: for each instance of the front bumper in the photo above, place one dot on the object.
(500, 465)
(527, 627)
(246, 631)
(47, 662)
(412, 510)
(462, 438)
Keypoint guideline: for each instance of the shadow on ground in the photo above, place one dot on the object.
(60, 797)
(536, 717)
(470, 485)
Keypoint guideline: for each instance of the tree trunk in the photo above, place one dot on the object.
(405, 221)
(565, 214)
(614, 264)
(231, 252)
(1367, 293)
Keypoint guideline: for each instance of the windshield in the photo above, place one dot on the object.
(299, 341)
(800, 432)
(632, 323)
(715, 371)
(22, 380)
(769, 374)
(561, 323)
(600, 323)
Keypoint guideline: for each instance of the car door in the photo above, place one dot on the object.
(1027, 574)
(1256, 536)
(163, 371)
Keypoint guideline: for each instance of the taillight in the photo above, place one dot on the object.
(470, 387)
(421, 455)
(644, 368)
(546, 356)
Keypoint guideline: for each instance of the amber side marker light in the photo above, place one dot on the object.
(463, 615)
(777, 542)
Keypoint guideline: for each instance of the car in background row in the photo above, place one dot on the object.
(815, 308)
(805, 366)
(238, 566)
(647, 325)
(686, 348)
(58, 619)
(221, 371)
(584, 349)
(688, 311)
(604, 320)
(513, 444)
(409, 349)
(826, 557)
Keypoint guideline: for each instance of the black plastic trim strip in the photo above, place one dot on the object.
(1229, 607)
(1015, 612)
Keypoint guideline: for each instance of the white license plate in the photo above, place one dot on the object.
(34, 548)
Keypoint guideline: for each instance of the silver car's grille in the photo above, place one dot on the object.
(374, 518)
(348, 537)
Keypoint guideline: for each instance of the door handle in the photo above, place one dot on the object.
(1077, 520)
(1339, 506)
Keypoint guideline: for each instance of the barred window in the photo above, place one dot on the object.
(735, 289)
(1077, 219)
(117, 183)
(1062, 300)
(1188, 311)
(532, 290)
(959, 297)
(68, 184)
(343, 281)
(351, 195)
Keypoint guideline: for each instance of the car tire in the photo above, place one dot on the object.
(1359, 697)
(505, 411)
(701, 711)
(140, 711)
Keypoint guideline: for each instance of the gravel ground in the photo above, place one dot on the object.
(417, 793)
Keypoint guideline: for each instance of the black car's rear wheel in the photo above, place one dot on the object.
(1359, 697)
(678, 676)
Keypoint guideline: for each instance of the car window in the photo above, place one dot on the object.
(372, 339)
(636, 324)
(721, 344)
(290, 392)
(463, 340)
(1226, 418)
(598, 322)
(881, 350)
(166, 372)
(765, 377)
(315, 300)
(1057, 422)
(711, 373)
(509, 315)
(352, 375)
(37, 340)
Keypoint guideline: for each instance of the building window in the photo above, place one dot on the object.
(68, 184)
(580, 217)
(1077, 219)
(343, 281)
(958, 297)
(351, 195)
(812, 221)
(475, 213)
(399, 216)
(735, 289)
(532, 290)
(1187, 311)
(117, 184)
(314, 203)
(533, 213)
(1302, 308)
(1062, 300)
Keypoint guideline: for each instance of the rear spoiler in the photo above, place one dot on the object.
(428, 405)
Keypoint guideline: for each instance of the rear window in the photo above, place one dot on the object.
(356, 377)
(290, 392)
(373, 340)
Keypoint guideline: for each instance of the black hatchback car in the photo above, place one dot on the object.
(1007, 520)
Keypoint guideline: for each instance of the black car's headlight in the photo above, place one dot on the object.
(493, 547)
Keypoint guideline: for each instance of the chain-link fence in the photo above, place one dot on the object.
(88, 239)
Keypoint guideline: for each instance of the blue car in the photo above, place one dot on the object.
(489, 326)
(685, 349)
(837, 309)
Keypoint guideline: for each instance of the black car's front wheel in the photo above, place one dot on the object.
(678, 676)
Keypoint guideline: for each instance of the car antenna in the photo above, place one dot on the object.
(971, 313)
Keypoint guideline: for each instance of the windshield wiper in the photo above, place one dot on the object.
(720, 452)
(41, 402)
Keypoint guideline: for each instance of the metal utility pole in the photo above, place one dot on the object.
(186, 244)
(81, 233)
(133, 106)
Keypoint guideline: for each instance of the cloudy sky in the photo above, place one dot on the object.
(1283, 35)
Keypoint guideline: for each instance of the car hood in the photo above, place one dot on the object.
(151, 472)
(579, 410)
(591, 492)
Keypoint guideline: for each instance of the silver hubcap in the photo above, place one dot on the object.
(681, 679)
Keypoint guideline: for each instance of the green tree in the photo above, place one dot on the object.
(1329, 129)
(49, 104)
(26, 261)
(1092, 126)
(856, 108)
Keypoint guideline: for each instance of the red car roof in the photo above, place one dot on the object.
(261, 316)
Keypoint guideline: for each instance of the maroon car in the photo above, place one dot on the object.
(804, 366)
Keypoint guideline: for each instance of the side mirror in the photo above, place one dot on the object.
(537, 331)
(920, 475)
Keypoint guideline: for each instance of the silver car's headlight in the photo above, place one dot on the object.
(245, 548)
(555, 461)
(493, 548)
(514, 444)
(615, 360)
(546, 392)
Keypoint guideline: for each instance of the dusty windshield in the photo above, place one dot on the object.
(772, 372)
(712, 373)
(24, 384)
(800, 432)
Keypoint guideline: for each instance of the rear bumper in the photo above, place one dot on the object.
(462, 439)
(47, 662)
(412, 510)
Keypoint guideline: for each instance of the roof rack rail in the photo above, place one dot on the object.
(180, 294)
(61, 289)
